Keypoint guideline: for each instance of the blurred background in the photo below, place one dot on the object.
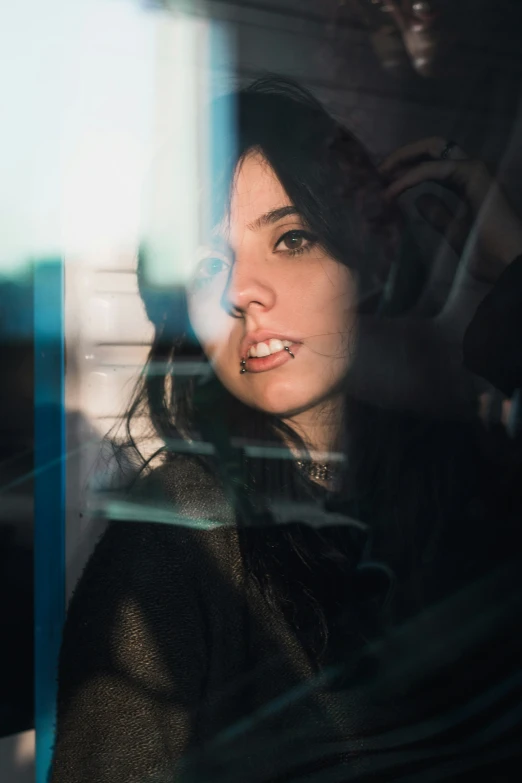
(103, 127)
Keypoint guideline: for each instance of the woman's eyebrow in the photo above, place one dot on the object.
(272, 217)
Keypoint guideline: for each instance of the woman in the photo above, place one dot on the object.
(253, 637)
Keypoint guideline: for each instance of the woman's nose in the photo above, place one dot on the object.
(249, 288)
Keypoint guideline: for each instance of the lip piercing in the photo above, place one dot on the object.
(243, 361)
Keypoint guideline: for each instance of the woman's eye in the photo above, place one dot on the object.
(211, 267)
(207, 270)
(295, 242)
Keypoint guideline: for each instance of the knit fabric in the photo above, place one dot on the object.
(174, 667)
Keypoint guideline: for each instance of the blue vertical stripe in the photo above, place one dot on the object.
(49, 500)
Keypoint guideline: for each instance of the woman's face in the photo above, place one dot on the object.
(264, 283)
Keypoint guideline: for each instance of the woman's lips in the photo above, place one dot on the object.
(264, 363)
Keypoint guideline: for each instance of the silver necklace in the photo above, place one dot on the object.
(317, 471)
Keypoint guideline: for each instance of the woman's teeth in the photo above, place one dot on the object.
(265, 349)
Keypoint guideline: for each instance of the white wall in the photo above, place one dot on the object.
(142, 156)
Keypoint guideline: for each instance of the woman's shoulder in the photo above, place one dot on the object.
(184, 486)
(150, 570)
(162, 532)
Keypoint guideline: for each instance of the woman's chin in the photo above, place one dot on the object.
(282, 406)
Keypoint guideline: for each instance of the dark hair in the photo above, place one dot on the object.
(331, 179)
(325, 170)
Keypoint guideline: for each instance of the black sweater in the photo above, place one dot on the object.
(175, 667)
